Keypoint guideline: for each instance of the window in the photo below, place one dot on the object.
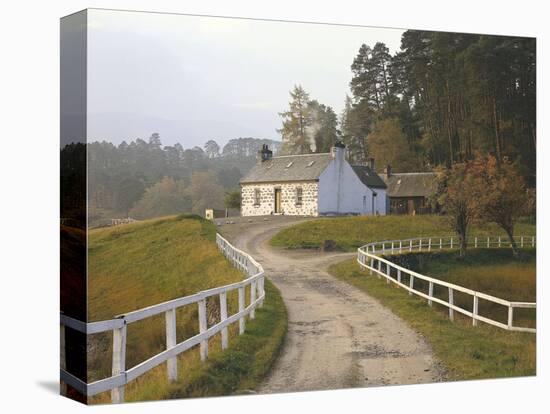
(298, 196)
(256, 196)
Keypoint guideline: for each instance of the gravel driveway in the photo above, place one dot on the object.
(338, 336)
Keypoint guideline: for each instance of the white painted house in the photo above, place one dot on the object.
(312, 185)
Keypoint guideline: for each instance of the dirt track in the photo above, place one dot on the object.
(338, 336)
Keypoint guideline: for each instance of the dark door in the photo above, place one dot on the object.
(277, 200)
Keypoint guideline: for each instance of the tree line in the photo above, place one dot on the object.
(144, 179)
(440, 100)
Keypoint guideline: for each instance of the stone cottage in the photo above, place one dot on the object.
(311, 185)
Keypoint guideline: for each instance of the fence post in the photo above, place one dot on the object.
(400, 246)
(533, 241)
(62, 359)
(241, 309)
(521, 241)
(411, 283)
(420, 245)
(451, 302)
(430, 244)
(388, 273)
(392, 246)
(498, 241)
(223, 317)
(440, 243)
(475, 242)
(488, 241)
(399, 275)
(451, 242)
(430, 292)
(203, 326)
(171, 363)
(410, 245)
(262, 290)
(252, 298)
(371, 265)
(475, 310)
(119, 361)
(510, 317)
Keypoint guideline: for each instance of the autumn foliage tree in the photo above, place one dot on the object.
(500, 194)
(484, 190)
(388, 145)
(205, 192)
(457, 201)
(166, 197)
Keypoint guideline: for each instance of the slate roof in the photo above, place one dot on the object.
(306, 167)
(410, 184)
(368, 177)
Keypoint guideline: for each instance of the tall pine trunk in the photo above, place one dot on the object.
(496, 122)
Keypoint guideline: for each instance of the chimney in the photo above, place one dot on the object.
(264, 154)
(388, 170)
(338, 151)
(371, 164)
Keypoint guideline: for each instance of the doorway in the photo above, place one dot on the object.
(277, 209)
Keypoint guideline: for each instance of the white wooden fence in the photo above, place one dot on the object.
(122, 375)
(121, 221)
(370, 257)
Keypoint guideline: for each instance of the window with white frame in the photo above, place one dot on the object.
(256, 196)
(298, 196)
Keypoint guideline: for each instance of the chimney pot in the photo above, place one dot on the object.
(264, 154)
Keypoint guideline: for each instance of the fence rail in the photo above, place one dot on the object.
(370, 257)
(122, 375)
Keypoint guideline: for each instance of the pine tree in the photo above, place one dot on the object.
(296, 122)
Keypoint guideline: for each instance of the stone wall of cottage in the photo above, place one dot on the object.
(289, 207)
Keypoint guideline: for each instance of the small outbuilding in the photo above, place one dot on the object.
(409, 193)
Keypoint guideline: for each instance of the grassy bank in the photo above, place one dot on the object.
(467, 352)
(142, 264)
(349, 233)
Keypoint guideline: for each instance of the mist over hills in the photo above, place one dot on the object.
(118, 127)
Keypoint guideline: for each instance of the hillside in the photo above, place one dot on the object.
(142, 264)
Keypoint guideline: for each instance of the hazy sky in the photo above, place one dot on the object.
(197, 78)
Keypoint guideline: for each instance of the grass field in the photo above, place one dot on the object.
(466, 352)
(142, 264)
(349, 233)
